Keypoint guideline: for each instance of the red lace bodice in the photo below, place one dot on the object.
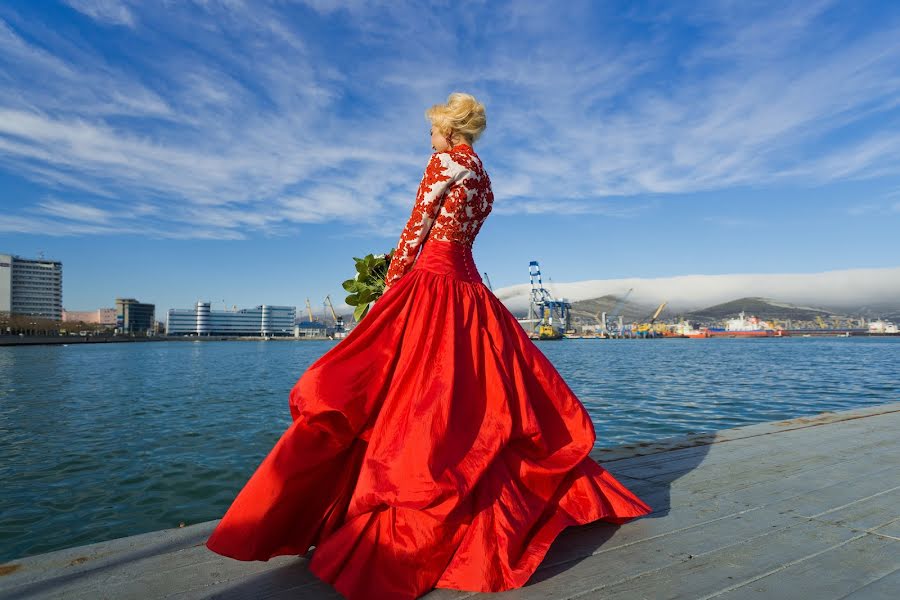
(452, 202)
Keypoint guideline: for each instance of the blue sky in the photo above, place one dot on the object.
(244, 152)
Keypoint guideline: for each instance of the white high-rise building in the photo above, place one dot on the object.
(31, 286)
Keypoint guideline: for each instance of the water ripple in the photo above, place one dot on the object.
(109, 440)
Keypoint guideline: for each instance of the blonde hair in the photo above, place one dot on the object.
(462, 114)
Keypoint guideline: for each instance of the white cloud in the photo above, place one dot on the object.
(840, 289)
(63, 228)
(276, 126)
(113, 12)
(74, 211)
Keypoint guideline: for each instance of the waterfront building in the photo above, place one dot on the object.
(101, 316)
(264, 320)
(31, 286)
(134, 317)
(310, 329)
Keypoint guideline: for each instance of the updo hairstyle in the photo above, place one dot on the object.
(462, 116)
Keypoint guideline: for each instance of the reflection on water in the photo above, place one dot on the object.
(108, 440)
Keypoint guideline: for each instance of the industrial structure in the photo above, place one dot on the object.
(548, 317)
(611, 324)
(339, 331)
(651, 327)
(488, 281)
(312, 327)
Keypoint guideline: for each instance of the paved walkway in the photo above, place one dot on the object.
(805, 508)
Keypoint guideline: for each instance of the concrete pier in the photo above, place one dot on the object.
(804, 508)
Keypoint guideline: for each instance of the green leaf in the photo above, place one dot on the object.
(360, 312)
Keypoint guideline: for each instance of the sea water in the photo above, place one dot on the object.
(99, 441)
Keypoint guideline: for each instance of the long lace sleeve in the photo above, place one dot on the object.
(439, 174)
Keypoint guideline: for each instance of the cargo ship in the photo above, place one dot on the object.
(685, 329)
(882, 328)
(744, 326)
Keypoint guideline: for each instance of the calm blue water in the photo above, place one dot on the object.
(108, 440)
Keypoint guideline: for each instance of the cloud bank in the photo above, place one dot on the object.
(847, 289)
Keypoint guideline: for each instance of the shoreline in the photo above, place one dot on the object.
(75, 340)
(9, 340)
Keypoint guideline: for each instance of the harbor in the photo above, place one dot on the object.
(550, 317)
(805, 507)
(547, 316)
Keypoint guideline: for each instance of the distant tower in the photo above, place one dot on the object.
(266, 328)
(203, 309)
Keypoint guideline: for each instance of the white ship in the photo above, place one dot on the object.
(882, 327)
(744, 326)
(686, 329)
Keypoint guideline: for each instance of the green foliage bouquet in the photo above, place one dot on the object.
(368, 284)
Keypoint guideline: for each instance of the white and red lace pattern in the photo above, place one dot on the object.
(452, 202)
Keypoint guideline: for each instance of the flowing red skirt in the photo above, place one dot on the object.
(434, 446)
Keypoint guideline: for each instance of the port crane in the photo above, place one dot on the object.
(647, 329)
(338, 321)
(488, 280)
(546, 308)
(605, 319)
(309, 310)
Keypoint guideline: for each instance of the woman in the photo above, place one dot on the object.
(435, 445)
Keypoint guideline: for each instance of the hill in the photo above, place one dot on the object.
(584, 312)
(764, 308)
(846, 291)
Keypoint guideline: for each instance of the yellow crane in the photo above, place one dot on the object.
(644, 328)
(338, 321)
(546, 331)
(309, 310)
(821, 322)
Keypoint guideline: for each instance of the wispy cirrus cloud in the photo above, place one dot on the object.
(251, 118)
(74, 211)
(113, 12)
(888, 204)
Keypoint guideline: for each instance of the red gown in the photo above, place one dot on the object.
(435, 445)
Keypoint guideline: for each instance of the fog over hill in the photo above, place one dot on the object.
(761, 307)
(851, 291)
